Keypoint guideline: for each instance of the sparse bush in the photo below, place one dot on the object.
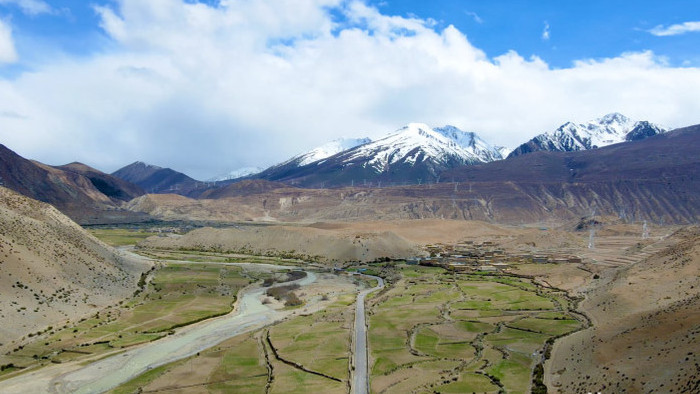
(292, 300)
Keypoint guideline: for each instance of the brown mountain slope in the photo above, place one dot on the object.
(646, 328)
(112, 187)
(243, 188)
(51, 270)
(75, 189)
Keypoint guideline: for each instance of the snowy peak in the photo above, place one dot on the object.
(412, 154)
(472, 143)
(324, 151)
(610, 129)
(329, 149)
(417, 143)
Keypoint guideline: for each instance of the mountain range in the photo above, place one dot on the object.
(418, 153)
(652, 179)
(413, 155)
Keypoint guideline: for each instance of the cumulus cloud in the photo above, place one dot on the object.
(8, 54)
(206, 89)
(30, 7)
(674, 30)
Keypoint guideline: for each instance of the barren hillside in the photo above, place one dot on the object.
(51, 270)
(646, 327)
(327, 245)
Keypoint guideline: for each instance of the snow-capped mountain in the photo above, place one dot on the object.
(302, 159)
(235, 174)
(413, 154)
(326, 150)
(610, 129)
(504, 151)
(417, 143)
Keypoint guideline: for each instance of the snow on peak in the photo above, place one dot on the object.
(418, 142)
(614, 118)
(239, 173)
(329, 149)
(610, 129)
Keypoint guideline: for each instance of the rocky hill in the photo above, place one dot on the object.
(52, 271)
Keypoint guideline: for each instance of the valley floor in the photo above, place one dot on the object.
(622, 319)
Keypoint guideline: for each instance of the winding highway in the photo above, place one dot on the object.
(360, 382)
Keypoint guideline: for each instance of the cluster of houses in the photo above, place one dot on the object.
(485, 257)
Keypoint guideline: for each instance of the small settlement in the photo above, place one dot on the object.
(486, 256)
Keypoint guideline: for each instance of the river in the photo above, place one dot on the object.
(100, 376)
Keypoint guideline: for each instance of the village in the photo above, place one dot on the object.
(486, 256)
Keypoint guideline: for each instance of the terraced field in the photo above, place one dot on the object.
(434, 330)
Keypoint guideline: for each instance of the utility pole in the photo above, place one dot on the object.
(645, 231)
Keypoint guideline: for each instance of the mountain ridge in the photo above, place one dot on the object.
(83, 193)
(652, 179)
(155, 179)
(610, 129)
(413, 153)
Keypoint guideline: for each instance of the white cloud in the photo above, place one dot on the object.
(30, 7)
(475, 16)
(674, 30)
(8, 54)
(545, 32)
(208, 89)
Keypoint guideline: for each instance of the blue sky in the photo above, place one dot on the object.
(177, 82)
(577, 29)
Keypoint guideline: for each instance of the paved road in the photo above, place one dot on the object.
(360, 383)
(102, 375)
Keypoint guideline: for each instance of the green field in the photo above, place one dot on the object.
(120, 236)
(319, 342)
(430, 330)
(491, 327)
